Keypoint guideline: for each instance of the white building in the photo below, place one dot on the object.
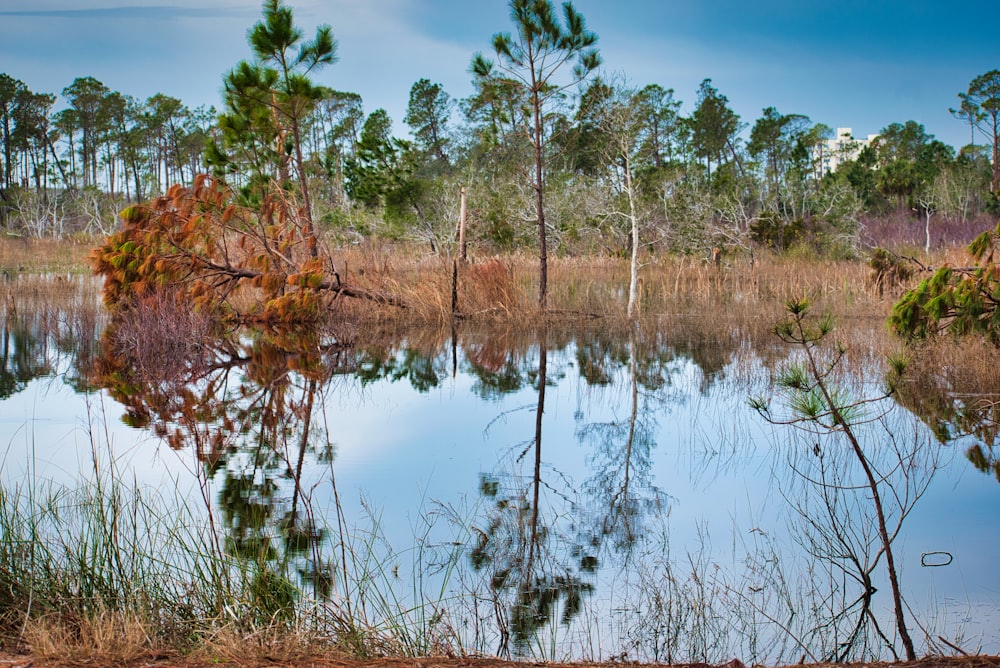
(843, 147)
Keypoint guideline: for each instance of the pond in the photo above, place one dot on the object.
(572, 491)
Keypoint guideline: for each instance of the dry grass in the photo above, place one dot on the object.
(506, 288)
(111, 635)
(231, 645)
(968, 365)
(695, 304)
(25, 255)
(489, 287)
(60, 309)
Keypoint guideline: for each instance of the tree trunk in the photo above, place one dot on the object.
(306, 204)
(56, 159)
(995, 185)
(633, 283)
(6, 150)
(543, 345)
(543, 252)
(927, 230)
(461, 228)
(883, 531)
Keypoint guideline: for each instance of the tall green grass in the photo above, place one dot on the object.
(99, 567)
(104, 567)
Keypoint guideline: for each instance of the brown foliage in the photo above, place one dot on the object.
(222, 259)
(489, 286)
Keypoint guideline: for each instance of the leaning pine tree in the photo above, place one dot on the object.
(227, 261)
(958, 300)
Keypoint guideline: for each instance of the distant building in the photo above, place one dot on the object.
(842, 148)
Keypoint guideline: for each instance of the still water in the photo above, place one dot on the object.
(561, 493)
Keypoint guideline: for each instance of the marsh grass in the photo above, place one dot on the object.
(20, 255)
(969, 365)
(79, 575)
(496, 289)
(738, 294)
(105, 569)
(692, 304)
(161, 335)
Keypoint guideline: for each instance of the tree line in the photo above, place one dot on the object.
(554, 152)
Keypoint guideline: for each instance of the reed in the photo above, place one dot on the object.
(27, 255)
(79, 574)
(496, 289)
(506, 288)
(102, 569)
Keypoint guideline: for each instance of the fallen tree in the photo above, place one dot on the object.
(249, 266)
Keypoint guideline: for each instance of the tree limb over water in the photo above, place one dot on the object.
(239, 264)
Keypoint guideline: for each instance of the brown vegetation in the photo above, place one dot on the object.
(169, 660)
(497, 289)
(28, 255)
(500, 289)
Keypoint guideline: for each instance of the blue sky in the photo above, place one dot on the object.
(853, 63)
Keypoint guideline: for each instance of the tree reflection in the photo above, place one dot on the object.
(22, 358)
(50, 326)
(496, 364)
(836, 525)
(535, 574)
(621, 486)
(540, 542)
(243, 403)
(838, 423)
(954, 388)
(423, 371)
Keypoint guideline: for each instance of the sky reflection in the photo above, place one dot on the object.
(651, 470)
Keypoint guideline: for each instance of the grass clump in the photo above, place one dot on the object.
(78, 576)
(110, 571)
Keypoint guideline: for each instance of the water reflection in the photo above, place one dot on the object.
(621, 487)
(584, 486)
(835, 520)
(244, 403)
(955, 389)
(535, 576)
(51, 325)
(548, 550)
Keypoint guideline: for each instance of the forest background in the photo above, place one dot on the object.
(618, 161)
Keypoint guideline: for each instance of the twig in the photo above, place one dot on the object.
(953, 646)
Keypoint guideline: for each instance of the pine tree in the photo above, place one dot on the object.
(533, 58)
(268, 100)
